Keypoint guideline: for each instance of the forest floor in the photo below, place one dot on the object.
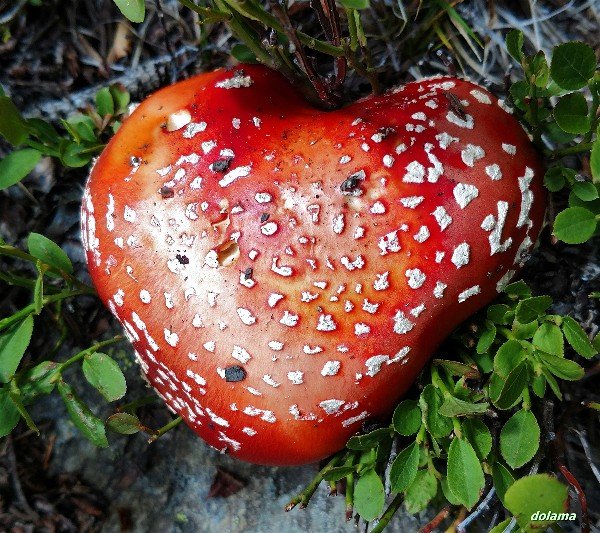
(54, 57)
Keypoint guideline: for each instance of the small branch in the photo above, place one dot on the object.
(481, 508)
(389, 513)
(304, 497)
(167, 427)
(437, 520)
(572, 480)
(91, 349)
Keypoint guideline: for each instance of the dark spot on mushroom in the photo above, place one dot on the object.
(183, 259)
(135, 161)
(166, 192)
(234, 373)
(264, 217)
(350, 185)
(221, 165)
(248, 273)
(319, 308)
(455, 105)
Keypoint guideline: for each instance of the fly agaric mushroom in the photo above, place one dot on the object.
(284, 273)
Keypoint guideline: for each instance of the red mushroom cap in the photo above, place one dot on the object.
(284, 273)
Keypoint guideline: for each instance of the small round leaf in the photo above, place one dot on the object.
(573, 64)
(407, 417)
(575, 225)
(49, 252)
(104, 374)
(533, 495)
(520, 438)
(369, 496)
(571, 113)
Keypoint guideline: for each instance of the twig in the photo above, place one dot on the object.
(588, 454)
(437, 520)
(389, 513)
(572, 481)
(482, 507)
(304, 497)
(16, 482)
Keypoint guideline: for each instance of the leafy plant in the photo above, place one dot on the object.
(559, 103)
(475, 424)
(85, 134)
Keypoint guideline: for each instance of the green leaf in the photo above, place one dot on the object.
(573, 64)
(487, 337)
(524, 331)
(571, 113)
(595, 160)
(465, 475)
(534, 494)
(508, 357)
(355, 4)
(15, 396)
(407, 418)
(134, 10)
(74, 155)
(503, 479)
(550, 379)
(370, 440)
(104, 102)
(9, 415)
(506, 393)
(455, 407)
(41, 379)
(577, 338)
(549, 338)
(430, 402)
(539, 69)
(43, 130)
(369, 495)
(518, 289)
(478, 435)
(585, 191)
(520, 438)
(538, 385)
(243, 54)
(49, 252)
(531, 308)
(120, 96)
(501, 526)
(554, 179)
(575, 225)
(458, 369)
(104, 374)
(13, 127)
(562, 368)
(514, 44)
(497, 313)
(88, 423)
(81, 128)
(13, 343)
(422, 490)
(338, 472)
(404, 468)
(17, 165)
(124, 423)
